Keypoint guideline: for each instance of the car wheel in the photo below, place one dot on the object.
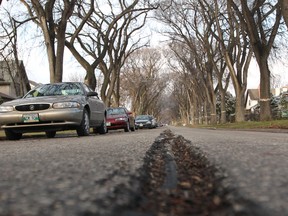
(133, 128)
(84, 128)
(12, 135)
(50, 134)
(101, 129)
(127, 128)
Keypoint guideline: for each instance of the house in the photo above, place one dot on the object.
(252, 98)
(33, 84)
(4, 98)
(253, 95)
(13, 79)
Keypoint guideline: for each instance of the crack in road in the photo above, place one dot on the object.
(178, 179)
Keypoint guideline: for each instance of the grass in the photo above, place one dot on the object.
(275, 124)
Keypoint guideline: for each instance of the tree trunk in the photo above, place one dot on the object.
(240, 107)
(90, 78)
(213, 111)
(223, 118)
(60, 55)
(284, 9)
(265, 95)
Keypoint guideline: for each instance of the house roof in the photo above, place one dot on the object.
(253, 93)
(2, 95)
(3, 83)
(34, 83)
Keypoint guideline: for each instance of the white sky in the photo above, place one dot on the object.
(37, 68)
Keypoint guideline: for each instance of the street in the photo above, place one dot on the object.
(100, 175)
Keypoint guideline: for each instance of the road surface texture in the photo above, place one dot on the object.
(164, 171)
(255, 164)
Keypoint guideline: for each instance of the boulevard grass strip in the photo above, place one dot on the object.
(275, 124)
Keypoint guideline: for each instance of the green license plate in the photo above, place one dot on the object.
(32, 117)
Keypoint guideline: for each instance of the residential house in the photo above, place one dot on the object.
(5, 97)
(13, 80)
(253, 96)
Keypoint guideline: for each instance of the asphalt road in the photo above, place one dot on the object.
(95, 175)
(255, 163)
(71, 175)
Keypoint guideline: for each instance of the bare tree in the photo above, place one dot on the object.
(261, 20)
(284, 9)
(234, 46)
(142, 81)
(9, 53)
(187, 25)
(123, 42)
(103, 31)
(52, 17)
(188, 83)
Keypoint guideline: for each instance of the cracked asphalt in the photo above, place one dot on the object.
(164, 171)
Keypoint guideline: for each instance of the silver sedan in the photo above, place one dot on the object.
(54, 107)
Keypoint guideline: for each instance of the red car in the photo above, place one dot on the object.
(120, 118)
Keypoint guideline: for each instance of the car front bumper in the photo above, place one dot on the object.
(143, 125)
(114, 125)
(48, 119)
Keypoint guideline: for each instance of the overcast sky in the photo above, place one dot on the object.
(35, 59)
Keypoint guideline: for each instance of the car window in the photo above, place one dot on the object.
(55, 90)
(142, 117)
(115, 111)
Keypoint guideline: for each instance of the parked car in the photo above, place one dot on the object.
(145, 121)
(120, 118)
(54, 107)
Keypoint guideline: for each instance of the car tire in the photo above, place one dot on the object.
(133, 128)
(12, 135)
(84, 128)
(50, 134)
(127, 128)
(101, 129)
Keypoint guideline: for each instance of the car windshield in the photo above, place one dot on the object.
(56, 90)
(142, 117)
(115, 111)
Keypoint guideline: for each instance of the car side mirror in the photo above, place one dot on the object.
(91, 94)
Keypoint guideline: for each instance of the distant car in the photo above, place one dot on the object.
(54, 107)
(145, 121)
(120, 118)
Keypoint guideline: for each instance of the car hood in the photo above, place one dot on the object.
(46, 99)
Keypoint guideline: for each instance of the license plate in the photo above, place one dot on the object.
(32, 117)
(108, 123)
(141, 125)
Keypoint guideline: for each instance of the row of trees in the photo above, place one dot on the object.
(100, 35)
(211, 44)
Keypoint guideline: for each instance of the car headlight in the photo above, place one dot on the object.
(148, 122)
(62, 105)
(121, 119)
(6, 108)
